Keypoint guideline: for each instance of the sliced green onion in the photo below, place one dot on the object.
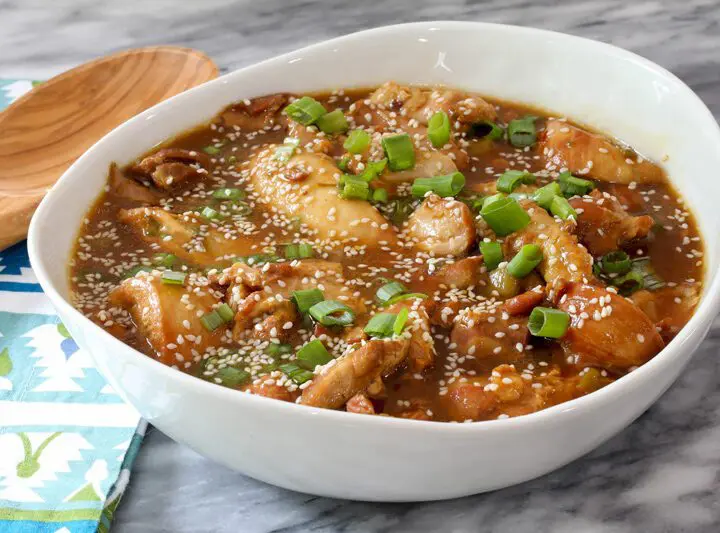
(291, 251)
(332, 313)
(225, 312)
(333, 122)
(487, 129)
(492, 254)
(276, 349)
(438, 129)
(343, 163)
(617, 262)
(242, 208)
(229, 194)
(381, 325)
(232, 159)
(373, 169)
(522, 132)
(545, 195)
(651, 280)
(630, 282)
(380, 196)
(232, 377)
(525, 261)
(400, 151)
(561, 208)
(473, 202)
(573, 186)
(400, 321)
(548, 322)
(405, 296)
(173, 278)
(401, 210)
(212, 150)
(306, 298)
(389, 290)
(165, 259)
(504, 215)
(211, 321)
(355, 189)
(305, 250)
(357, 142)
(211, 214)
(297, 374)
(512, 178)
(305, 110)
(284, 152)
(313, 354)
(445, 186)
(258, 259)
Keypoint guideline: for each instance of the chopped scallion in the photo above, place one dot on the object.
(445, 186)
(276, 349)
(380, 196)
(355, 189)
(173, 278)
(389, 290)
(332, 313)
(487, 129)
(561, 208)
(381, 325)
(512, 179)
(438, 129)
(211, 321)
(400, 151)
(306, 298)
(297, 374)
(313, 354)
(228, 194)
(232, 377)
(492, 254)
(211, 214)
(305, 110)
(548, 322)
(573, 186)
(405, 296)
(165, 259)
(504, 215)
(400, 321)
(545, 195)
(522, 132)
(617, 262)
(357, 141)
(332, 122)
(525, 261)
(225, 312)
(305, 250)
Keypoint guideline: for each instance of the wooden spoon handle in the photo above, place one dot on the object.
(15, 214)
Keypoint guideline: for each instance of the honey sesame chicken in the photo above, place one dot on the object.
(417, 252)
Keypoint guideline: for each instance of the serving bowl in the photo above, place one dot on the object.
(362, 457)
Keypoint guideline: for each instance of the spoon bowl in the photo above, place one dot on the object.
(46, 130)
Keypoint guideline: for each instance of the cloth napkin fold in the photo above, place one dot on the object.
(67, 440)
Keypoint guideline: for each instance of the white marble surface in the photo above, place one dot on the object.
(659, 475)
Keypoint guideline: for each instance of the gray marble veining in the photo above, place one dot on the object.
(660, 475)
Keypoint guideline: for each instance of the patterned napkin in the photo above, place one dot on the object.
(67, 440)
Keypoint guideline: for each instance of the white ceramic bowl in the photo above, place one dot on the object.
(361, 457)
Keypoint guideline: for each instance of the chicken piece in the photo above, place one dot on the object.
(563, 257)
(256, 114)
(276, 392)
(421, 104)
(484, 334)
(418, 409)
(354, 372)
(669, 308)
(582, 152)
(361, 404)
(462, 274)
(261, 295)
(603, 224)
(524, 303)
(169, 167)
(186, 236)
(129, 189)
(315, 199)
(468, 400)
(442, 226)
(310, 138)
(606, 330)
(168, 316)
(429, 165)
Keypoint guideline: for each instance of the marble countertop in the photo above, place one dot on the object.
(659, 475)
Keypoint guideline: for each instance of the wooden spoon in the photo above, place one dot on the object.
(46, 130)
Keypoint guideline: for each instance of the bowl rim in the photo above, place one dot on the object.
(705, 312)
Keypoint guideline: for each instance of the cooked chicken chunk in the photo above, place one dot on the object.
(669, 308)
(421, 354)
(442, 226)
(354, 372)
(606, 330)
(429, 165)
(582, 152)
(313, 196)
(603, 224)
(169, 167)
(360, 403)
(129, 189)
(483, 334)
(168, 316)
(186, 236)
(563, 257)
(256, 114)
